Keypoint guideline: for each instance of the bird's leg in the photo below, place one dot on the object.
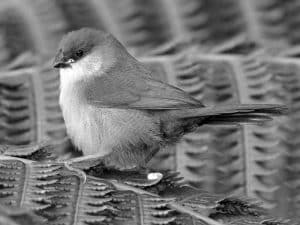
(153, 151)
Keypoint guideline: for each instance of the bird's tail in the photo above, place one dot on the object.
(248, 113)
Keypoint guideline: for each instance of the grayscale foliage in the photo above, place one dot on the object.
(219, 51)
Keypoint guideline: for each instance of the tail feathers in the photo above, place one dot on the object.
(255, 113)
(236, 119)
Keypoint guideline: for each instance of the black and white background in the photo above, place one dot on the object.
(219, 51)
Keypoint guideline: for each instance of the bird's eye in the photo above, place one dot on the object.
(79, 53)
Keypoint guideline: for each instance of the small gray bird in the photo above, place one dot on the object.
(115, 110)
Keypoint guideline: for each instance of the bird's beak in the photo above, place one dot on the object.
(60, 61)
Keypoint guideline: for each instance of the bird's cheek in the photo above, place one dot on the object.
(92, 63)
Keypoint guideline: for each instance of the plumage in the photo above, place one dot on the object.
(115, 109)
(114, 90)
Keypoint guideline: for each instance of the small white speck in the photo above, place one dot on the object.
(154, 176)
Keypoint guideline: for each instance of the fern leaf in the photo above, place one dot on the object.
(29, 105)
(61, 196)
(133, 27)
(17, 216)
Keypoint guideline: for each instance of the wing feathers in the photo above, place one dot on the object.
(131, 91)
(132, 87)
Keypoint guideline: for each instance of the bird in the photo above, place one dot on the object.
(116, 110)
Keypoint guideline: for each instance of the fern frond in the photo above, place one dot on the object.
(61, 196)
(17, 216)
(140, 25)
(29, 105)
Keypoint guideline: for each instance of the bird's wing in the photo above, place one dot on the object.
(135, 91)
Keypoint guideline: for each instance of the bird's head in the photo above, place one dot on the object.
(88, 49)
